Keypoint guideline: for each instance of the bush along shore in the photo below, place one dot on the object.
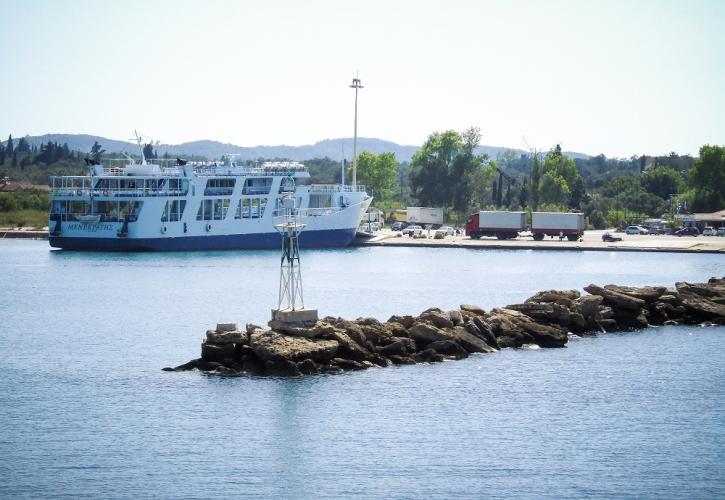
(548, 319)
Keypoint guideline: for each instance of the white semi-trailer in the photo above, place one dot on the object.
(502, 225)
(559, 224)
(424, 216)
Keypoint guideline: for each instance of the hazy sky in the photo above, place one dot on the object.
(613, 77)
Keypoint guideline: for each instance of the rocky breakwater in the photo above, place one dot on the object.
(547, 319)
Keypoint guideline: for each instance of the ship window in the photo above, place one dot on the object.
(177, 186)
(108, 210)
(320, 200)
(220, 208)
(130, 209)
(259, 185)
(287, 185)
(250, 208)
(205, 210)
(173, 211)
(242, 209)
(223, 186)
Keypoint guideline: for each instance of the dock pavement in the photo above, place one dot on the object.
(592, 240)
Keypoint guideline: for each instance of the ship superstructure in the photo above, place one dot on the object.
(178, 205)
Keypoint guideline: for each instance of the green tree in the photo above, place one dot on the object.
(430, 168)
(23, 146)
(378, 173)
(535, 177)
(446, 171)
(9, 148)
(662, 182)
(97, 151)
(463, 171)
(148, 151)
(561, 183)
(707, 180)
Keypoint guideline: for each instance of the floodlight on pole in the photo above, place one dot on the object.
(356, 84)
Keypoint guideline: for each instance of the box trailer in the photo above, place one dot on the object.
(424, 216)
(559, 224)
(501, 224)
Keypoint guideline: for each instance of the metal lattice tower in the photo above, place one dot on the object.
(290, 296)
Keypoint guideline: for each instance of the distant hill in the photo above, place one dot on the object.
(330, 148)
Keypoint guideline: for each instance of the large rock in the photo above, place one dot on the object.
(554, 295)
(473, 309)
(456, 317)
(395, 329)
(407, 320)
(218, 353)
(615, 298)
(470, 342)
(401, 347)
(275, 346)
(281, 368)
(700, 300)
(589, 305)
(486, 331)
(549, 312)
(646, 293)
(348, 348)
(448, 348)
(424, 333)
(512, 324)
(437, 318)
(350, 328)
(428, 356)
(226, 337)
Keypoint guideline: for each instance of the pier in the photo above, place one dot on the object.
(548, 319)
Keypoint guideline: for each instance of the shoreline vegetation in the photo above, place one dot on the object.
(548, 319)
(450, 171)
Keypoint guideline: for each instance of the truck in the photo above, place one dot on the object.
(559, 224)
(501, 224)
(424, 216)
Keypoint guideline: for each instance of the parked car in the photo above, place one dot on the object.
(445, 231)
(688, 231)
(636, 230)
(610, 237)
(656, 230)
(413, 230)
(721, 231)
(398, 226)
(709, 231)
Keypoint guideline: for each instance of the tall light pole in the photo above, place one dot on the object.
(356, 84)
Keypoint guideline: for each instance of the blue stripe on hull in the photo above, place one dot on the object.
(311, 239)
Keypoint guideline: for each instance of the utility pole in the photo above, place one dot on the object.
(356, 84)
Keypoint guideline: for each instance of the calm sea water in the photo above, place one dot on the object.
(85, 409)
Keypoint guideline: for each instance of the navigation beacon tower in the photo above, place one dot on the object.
(291, 309)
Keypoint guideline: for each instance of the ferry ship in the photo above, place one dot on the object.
(167, 205)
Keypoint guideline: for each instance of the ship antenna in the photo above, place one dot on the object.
(138, 141)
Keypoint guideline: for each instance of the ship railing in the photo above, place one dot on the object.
(116, 192)
(88, 217)
(222, 170)
(308, 212)
(256, 190)
(336, 188)
(120, 171)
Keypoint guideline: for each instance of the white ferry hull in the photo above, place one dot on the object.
(325, 238)
(133, 210)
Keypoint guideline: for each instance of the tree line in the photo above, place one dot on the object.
(447, 172)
